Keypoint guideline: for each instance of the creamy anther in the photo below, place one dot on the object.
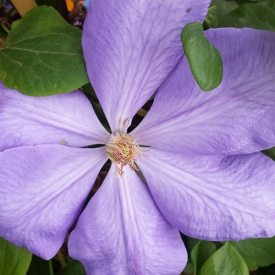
(123, 150)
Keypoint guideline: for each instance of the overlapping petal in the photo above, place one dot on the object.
(237, 117)
(122, 232)
(130, 47)
(42, 191)
(214, 197)
(61, 119)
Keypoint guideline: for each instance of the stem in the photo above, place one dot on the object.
(23, 6)
(61, 259)
(51, 267)
(5, 28)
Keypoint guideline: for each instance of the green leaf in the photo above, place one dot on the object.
(204, 59)
(189, 269)
(225, 261)
(40, 266)
(267, 3)
(241, 2)
(270, 152)
(13, 260)
(202, 252)
(190, 243)
(251, 16)
(224, 7)
(211, 19)
(42, 55)
(74, 267)
(257, 252)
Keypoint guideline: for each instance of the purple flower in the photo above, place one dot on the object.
(204, 172)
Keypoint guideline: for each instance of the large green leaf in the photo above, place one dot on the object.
(250, 15)
(257, 252)
(13, 260)
(226, 261)
(204, 59)
(202, 252)
(42, 55)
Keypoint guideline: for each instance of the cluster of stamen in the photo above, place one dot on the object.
(123, 150)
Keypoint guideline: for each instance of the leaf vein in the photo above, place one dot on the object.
(38, 36)
(43, 52)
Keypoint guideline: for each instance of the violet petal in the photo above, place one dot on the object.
(66, 119)
(214, 198)
(237, 117)
(121, 231)
(42, 191)
(130, 47)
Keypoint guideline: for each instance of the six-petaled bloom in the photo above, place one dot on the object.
(198, 152)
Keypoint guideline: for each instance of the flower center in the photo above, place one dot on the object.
(123, 150)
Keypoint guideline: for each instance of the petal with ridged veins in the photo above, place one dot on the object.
(121, 231)
(67, 119)
(214, 198)
(42, 191)
(238, 117)
(130, 47)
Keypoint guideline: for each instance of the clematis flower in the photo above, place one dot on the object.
(205, 175)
